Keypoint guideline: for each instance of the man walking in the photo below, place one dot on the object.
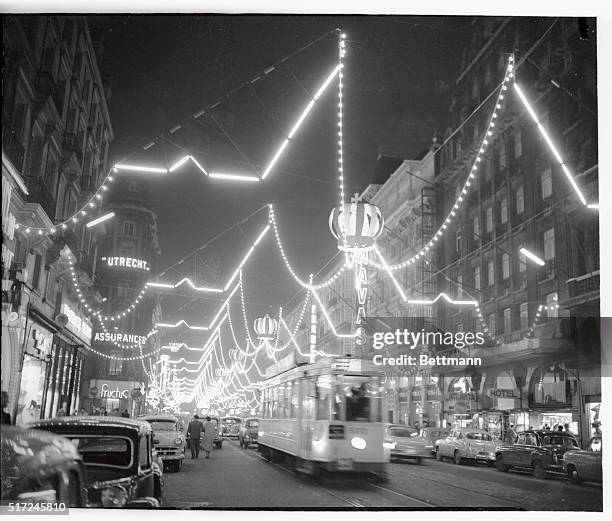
(194, 431)
(209, 436)
(511, 435)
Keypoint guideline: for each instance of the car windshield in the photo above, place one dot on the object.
(435, 435)
(230, 421)
(402, 432)
(252, 424)
(162, 425)
(108, 451)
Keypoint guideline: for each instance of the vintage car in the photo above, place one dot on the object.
(584, 465)
(249, 432)
(230, 427)
(431, 434)
(405, 443)
(541, 451)
(40, 468)
(218, 441)
(466, 444)
(121, 470)
(169, 440)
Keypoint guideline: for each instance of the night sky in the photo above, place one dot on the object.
(399, 72)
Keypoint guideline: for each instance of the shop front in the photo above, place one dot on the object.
(33, 382)
(113, 397)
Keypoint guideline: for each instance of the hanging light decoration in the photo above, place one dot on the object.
(265, 328)
(356, 225)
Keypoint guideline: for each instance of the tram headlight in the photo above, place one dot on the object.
(358, 443)
(389, 444)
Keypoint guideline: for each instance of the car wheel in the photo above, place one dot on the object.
(500, 465)
(438, 455)
(457, 457)
(538, 470)
(572, 473)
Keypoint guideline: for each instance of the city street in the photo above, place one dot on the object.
(238, 478)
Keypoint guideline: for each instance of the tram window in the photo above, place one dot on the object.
(324, 393)
(282, 401)
(295, 397)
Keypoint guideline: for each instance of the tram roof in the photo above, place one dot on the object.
(336, 365)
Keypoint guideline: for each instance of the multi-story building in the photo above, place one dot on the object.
(125, 256)
(56, 134)
(544, 366)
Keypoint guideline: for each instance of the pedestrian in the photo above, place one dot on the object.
(511, 435)
(194, 432)
(560, 428)
(6, 417)
(567, 428)
(82, 412)
(63, 410)
(125, 414)
(29, 415)
(209, 436)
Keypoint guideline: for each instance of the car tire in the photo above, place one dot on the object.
(457, 458)
(572, 474)
(500, 465)
(438, 455)
(538, 470)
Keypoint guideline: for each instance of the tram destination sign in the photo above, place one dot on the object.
(336, 432)
(346, 365)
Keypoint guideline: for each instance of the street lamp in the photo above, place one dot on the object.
(532, 256)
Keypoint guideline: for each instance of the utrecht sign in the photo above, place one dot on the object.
(126, 262)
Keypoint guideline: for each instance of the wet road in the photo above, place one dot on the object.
(240, 478)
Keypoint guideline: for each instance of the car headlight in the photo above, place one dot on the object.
(113, 497)
(389, 445)
(178, 441)
(358, 443)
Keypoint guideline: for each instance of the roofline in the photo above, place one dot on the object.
(14, 173)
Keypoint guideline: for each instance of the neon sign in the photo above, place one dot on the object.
(116, 393)
(126, 262)
(75, 323)
(131, 338)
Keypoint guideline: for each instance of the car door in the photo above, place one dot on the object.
(512, 453)
(591, 461)
(446, 447)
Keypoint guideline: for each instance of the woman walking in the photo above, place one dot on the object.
(209, 436)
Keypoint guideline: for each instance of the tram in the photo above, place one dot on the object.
(326, 416)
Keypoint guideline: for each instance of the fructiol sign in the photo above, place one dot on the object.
(130, 338)
(76, 324)
(126, 262)
(107, 392)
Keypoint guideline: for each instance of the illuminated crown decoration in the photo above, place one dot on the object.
(266, 328)
(356, 225)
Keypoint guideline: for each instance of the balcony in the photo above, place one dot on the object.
(70, 144)
(583, 290)
(40, 193)
(13, 149)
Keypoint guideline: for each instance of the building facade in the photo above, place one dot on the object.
(56, 136)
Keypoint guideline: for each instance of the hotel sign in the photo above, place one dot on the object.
(126, 262)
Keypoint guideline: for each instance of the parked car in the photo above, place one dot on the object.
(249, 431)
(121, 464)
(169, 440)
(218, 441)
(431, 434)
(584, 465)
(42, 469)
(405, 443)
(466, 444)
(230, 427)
(539, 450)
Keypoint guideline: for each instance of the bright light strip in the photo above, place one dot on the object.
(179, 163)
(301, 118)
(198, 288)
(101, 219)
(550, 144)
(159, 285)
(327, 82)
(137, 168)
(234, 177)
(445, 297)
(261, 235)
(331, 325)
(195, 161)
(202, 328)
(275, 158)
(531, 256)
(223, 306)
(384, 263)
(593, 206)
